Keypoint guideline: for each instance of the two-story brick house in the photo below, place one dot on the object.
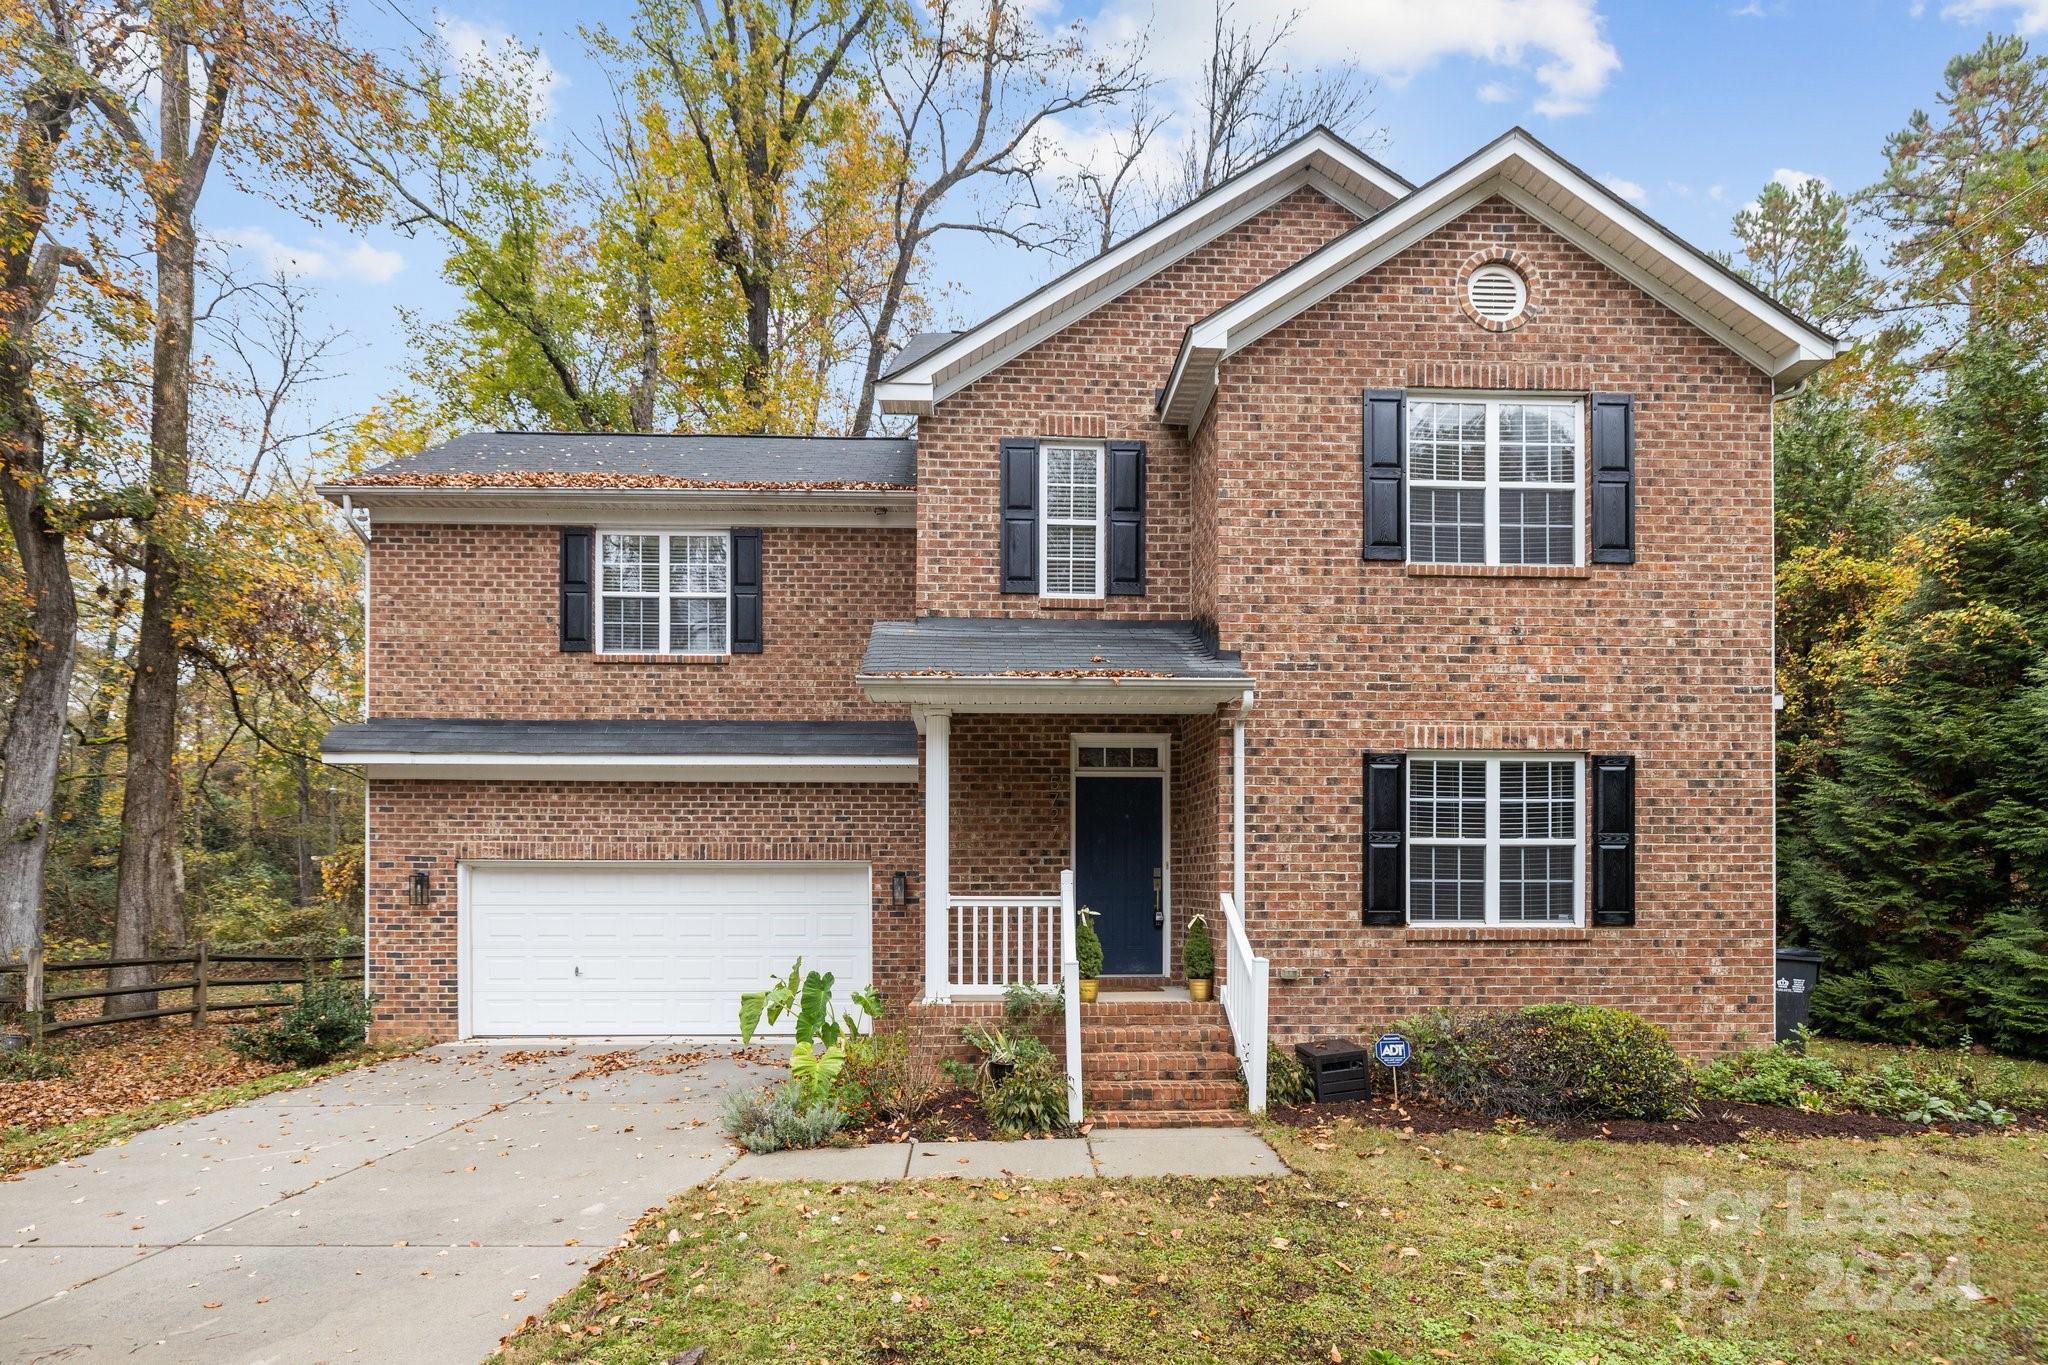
(1381, 570)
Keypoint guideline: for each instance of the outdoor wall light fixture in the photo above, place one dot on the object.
(419, 888)
(899, 888)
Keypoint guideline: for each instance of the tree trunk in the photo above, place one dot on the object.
(35, 730)
(309, 884)
(148, 899)
(641, 412)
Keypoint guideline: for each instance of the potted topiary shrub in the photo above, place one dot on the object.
(1087, 953)
(1198, 959)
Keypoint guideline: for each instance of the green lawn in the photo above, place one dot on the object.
(1383, 1247)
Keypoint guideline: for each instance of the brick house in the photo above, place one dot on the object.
(1382, 571)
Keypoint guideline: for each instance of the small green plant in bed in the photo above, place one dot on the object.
(1001, 1051)
(1029, 1101)
(1773, 1075)
(1929, 1088)
(329, 1018)
(772, 1118)
(882, 1083)
(1024, 1004)
(1286, 1078)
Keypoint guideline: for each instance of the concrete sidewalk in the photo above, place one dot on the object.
(1105, 1152)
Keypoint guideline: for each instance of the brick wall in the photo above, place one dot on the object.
(1099, 377)
(463, 623)
(1668, 659)
(431, 826)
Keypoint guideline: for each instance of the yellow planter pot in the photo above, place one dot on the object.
(1088, 988)
(1199, 987)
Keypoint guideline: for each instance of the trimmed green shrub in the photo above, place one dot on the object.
(1197, 955)
(1772, 1075)
(1032, 1099)
(1087, 947)
(1286, 1077)
(1551, 1063)
(329, 1018)
(774, 1118)
(1025, 1004)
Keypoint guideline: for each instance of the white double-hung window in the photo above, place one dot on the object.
(1070, 530)
(1495, 480)
(1495, 840)
(664, 592)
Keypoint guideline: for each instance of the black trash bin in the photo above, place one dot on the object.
(1798, 974)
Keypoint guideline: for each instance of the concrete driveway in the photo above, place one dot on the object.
(417, 1210)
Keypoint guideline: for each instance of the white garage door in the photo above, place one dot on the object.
(624, 949)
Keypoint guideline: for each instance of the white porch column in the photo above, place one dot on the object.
(938, 850)
(1237, 802)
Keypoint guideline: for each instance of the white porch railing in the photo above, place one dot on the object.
(999, 941)
(1070, 994)
(1244, 1003)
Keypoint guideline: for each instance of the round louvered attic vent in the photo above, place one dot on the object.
(1497, 293)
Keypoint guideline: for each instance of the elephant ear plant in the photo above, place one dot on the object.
(819, 1052)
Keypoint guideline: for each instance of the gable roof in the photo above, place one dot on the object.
(1319, 158)
(549, 459)
(1517, 168)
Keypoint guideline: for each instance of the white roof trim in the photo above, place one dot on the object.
(1319, 159)
(1518, 168)
(1088, 696)
(625, 767)
(396, 503)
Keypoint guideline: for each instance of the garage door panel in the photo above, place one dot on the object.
(580, 949)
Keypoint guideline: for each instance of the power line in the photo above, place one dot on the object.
(2027, 187)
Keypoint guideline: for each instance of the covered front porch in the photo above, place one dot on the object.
(1075, 767)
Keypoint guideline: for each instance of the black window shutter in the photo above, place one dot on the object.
(1614, 478)
(1127, 518)
(577, 559)
(1384, 449)
(1614, 840)
(746, 590)
(1386, 838)
(1020, 516)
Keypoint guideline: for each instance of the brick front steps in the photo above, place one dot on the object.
(1158, 1064)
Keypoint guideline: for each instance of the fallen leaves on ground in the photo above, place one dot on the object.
(131, 1071)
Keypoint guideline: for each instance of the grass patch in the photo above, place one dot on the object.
(23, 1148)
(1383, 1247)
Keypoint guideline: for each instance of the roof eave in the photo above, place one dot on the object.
(401, 765)
(1099, 696)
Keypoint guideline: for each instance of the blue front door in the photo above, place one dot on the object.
(1117, 854)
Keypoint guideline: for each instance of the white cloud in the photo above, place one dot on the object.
(321, 259)
(1627, 189)
(1496, 92)
(1793, 180)
(1559, 42)
(2029, 16)
(1716, 192)
(1753, 10)
(486, 48)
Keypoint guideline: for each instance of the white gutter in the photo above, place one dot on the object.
(1113, 694)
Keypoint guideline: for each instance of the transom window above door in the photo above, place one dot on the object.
(1117, 757)
(1494, 481)
(1071, 528)
(664, 592)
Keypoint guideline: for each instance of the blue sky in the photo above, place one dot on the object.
(1685, 106)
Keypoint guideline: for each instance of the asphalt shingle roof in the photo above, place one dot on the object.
(601, 738)
(916, 349)
(970, 647)
(710, 460)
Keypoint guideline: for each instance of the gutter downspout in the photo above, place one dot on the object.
(1237, 801)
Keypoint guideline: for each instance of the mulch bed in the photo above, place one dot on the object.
(956, 1117)
(1717, 1124)
(128, 1066)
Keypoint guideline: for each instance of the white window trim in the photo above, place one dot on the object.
(1494, 485)
(1046, 520)
(1492, 842)
(664, 594)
